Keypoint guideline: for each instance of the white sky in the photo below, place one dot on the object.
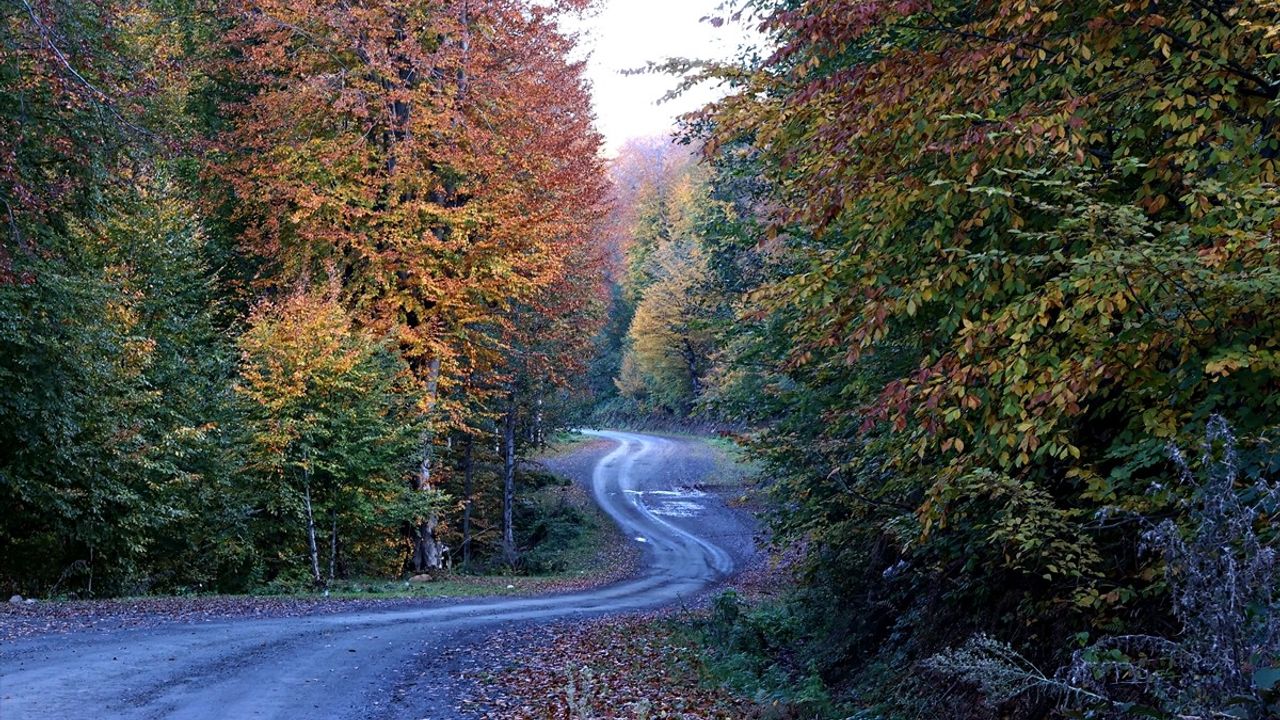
(627, 34)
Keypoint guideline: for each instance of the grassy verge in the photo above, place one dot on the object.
(563, 442)
(452, 586)
(735, 472)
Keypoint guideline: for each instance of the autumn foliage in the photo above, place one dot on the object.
(367, 228)
(985, 261)
(440, 159)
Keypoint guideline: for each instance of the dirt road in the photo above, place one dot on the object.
(372, 664)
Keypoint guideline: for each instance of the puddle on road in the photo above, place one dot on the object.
(673, 503)
(678, 492)
(677, 508)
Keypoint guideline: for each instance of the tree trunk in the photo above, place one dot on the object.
(509, 479)
(311, 529)
(428, 551)
(468, 478)
(465, 21)
(539, 439)
(691, 360)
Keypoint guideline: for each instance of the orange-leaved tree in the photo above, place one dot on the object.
(437, 158)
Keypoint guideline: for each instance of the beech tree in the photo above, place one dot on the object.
(440, 158)
(331, 417)
(1008, 250)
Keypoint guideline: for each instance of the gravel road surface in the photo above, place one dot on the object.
(396, 663)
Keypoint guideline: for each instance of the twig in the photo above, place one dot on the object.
(14, 229)
(102, 98)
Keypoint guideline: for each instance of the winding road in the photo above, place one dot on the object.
(370, 664)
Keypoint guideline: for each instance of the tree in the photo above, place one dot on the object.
(1011, 249)
(332, 419)
(439, 158)
(72, 93)
(671, 340)
(115, 406)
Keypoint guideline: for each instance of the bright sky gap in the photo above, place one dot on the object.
(627, 34)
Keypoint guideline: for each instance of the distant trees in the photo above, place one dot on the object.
(671, 341)
(636, 175)
(667, 298)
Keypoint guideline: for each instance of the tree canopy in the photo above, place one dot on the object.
(964, 271)
(367, 203)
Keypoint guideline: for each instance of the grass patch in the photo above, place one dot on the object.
(563, 442)
(449, 586)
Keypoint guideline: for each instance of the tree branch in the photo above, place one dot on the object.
(103, 99)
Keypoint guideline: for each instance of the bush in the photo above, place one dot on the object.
(758, 651)
(1222, 578)
(552, 532)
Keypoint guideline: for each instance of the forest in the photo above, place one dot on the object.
(987, 289)
(283, 285)
(990, 287)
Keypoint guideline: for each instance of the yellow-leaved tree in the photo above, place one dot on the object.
(332, 416)
(671, 338)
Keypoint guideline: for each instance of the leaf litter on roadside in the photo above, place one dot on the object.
(636, 667)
